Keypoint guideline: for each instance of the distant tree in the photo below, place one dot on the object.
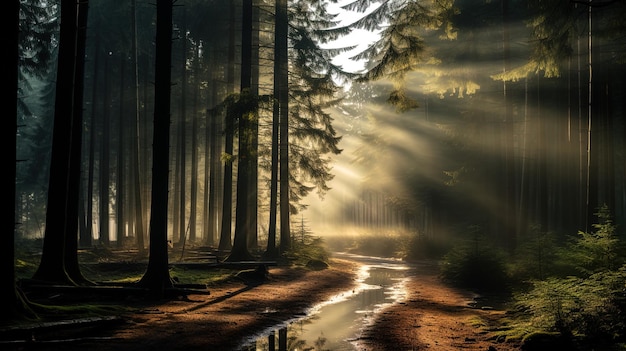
(135, 138)
(104, 197)
(37, 67)
(574, 40)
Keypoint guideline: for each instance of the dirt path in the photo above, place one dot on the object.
(433, 316)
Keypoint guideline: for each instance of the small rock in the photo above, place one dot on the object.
(317, 265)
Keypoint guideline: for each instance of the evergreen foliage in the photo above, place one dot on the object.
(312, 249)
(535, 257)
(312, 91)
(476, 264)
(598, 251)
(590, 305)
(421, 247)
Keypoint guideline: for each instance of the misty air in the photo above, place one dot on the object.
(328, 175)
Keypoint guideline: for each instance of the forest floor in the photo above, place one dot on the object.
(433, 316)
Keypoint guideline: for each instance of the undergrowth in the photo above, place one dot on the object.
(563, 292)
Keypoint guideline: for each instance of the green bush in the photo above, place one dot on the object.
(598, 251)
(313, 248)
(592, 308)
(535, 257)
(420, 247)
(478, 267)
(590, 303)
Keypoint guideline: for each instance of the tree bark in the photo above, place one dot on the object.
(157, 278)
(282, 27)
(246, 109)
(52, 265)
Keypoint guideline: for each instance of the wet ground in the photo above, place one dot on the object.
(335, 324)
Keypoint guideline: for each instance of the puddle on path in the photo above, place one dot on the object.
(336, 323)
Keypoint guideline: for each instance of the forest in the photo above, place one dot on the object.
(486, 135)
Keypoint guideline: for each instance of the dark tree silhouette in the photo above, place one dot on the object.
(247, 110)
(52, 265)
(282, 22)
(225, 243)
(73, 214)
(280, 107)
(16, 307)
(157, 277)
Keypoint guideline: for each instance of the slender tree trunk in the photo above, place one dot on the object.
(92, 135)
(104, 160)
(282, 26)
(193, 213)
(177, 186)
(86, 191)
(144, 148)
(227, 195)
(245, 112)
(271, 251)
(157, 277)
(509, 186)
(589, 193)
(182, 144)
(213, 168)
(253, 179)
(120, 190)
(209, 181)
(135, 140)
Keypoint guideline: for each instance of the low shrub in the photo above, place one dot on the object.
(480, 268)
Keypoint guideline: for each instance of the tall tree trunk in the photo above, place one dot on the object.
(120, 190)
(104, 160)
(135, 140)
(176, 198)
(271, 251)
(591, 189)
(92, 135)
(85, 232)
(157, 278)
(253, 179)
(227, 195)
(208, 224)
(74, 178)
(213, 168)
(194, 150)
(15, 305)
(282, 27)
(509, 186)
(182, 144)
(52, 265)
(145, 149)
(246, 109)
(85, 192)
(225, 243)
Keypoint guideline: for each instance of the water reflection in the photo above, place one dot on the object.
(335, 324)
